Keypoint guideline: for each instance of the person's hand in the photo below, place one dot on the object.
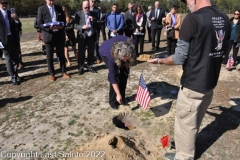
(60, 27)
(14, 16)
(114, 31)
(153, 61)
(67, 39)
(141, 28)
(119, 98)
(85, 27)
(90, 18)
(153, 18)
(53, 27)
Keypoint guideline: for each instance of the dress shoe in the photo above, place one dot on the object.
(114, 106)
(52, 78)
(157, 48)
(65, 75)
(15, 82)
(90, 69)
(80, 72)
(19, 78)
(153, 48)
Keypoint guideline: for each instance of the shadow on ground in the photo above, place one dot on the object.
(5, 101)
(227, 120)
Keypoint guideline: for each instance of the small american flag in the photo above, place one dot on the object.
(143, 96)
(230, 62)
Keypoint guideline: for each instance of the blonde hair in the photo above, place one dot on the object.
(123, 49)
(69, 19)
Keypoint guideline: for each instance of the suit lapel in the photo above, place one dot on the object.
(56, 12)
(49, 14)
(83, 17)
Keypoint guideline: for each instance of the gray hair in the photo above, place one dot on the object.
(123, 49)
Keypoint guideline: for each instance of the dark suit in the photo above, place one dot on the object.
(10, 43)
(102, 26)
(52, 38)
(156, 26)
(139, 39)
(84, 41)
(128, 20)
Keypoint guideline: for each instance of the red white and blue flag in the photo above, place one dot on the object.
(143, 96)
(230, 62)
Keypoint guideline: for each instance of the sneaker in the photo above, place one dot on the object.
(170, 156)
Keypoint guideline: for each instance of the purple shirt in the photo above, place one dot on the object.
(105, 51)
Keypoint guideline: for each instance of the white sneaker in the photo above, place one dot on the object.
(170, 156)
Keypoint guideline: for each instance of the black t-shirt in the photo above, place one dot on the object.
(188, 29)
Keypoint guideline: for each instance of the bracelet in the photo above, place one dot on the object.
(158, 60)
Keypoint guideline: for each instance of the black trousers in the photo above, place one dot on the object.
(89, 44)
(139, 39)
(235, 52)
(103, 33)
(1, 53)
(149, 34)
(59, 44)
(171, 45)
(128, 33)
(122, 84)
(156, 32)
(11, 55)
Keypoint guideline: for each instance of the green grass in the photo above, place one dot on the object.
(28, 25)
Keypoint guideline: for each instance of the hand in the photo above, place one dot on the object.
(114, 31)
(238, 45)
(60, 27)
(141, 28)
(90, 18)
(119, 98)
(153, 61)
(153, 18)
(14, 16)
(85, 27)
(67, 38)
(53, 27)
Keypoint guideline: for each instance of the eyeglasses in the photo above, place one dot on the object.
(138, 9)
(86, 7)
(236, 14)
(4, 3)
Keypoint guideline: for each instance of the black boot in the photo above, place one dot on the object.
(43, 49)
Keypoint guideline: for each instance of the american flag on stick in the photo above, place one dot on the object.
(143, 96)
(230, 62)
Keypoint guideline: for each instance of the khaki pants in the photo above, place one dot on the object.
(191, 108)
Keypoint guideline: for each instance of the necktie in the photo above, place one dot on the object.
(156, 13)
(52, 14)
(7, 22)
(115, 21)
(89, 32)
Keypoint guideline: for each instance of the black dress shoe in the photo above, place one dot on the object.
(153, 48)
(114, 106)
(90, 69)
(80, 72)
(15, 82)
(157, 48)
(19, 78)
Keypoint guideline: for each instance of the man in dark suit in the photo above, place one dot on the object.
(128, 20)
(156, 16)
(10, 41)
(53, 36)
(102, 25)
(97, 11)
(85, 22)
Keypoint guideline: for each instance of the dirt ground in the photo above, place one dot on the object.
(71, 118)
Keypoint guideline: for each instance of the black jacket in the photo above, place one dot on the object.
(3, 29)
(143, 23)
(45, 17)
(237, 36)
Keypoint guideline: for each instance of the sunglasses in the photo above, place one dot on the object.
(4, 3)
(236, 14)
(86, 7)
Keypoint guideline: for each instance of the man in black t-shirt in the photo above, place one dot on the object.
(204, 38)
